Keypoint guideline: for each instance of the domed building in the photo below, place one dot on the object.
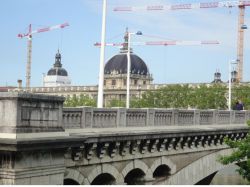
(217, 77)
(115, 71)
(57, 76)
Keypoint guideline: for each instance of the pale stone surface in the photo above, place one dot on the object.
(23, 112)
(41, 180)
(186, 175)
(31, 155)
(120, 117)
(56, 179)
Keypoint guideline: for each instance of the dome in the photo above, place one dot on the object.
(118, 63)
(57, 69)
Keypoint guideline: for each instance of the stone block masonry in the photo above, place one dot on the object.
(42, 143)
(28, 125)
(26, 113)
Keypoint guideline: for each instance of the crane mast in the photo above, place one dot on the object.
(29, 46)
(214, 4)
(29, 52)
(240, 45)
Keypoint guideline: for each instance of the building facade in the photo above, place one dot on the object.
(57, 81)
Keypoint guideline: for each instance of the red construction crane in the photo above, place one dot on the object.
(29, 46)
(164, 43)
(220, 4)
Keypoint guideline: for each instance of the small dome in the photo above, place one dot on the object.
(118, 63)
(57, 69)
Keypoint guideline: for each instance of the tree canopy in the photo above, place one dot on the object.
(211, 96)
(82, 100)
(240, 155)
(184, 96)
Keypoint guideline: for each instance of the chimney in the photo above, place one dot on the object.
(19, 83)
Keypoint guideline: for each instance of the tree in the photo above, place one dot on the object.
(116, 103)
(240, 155)
(241, 92)
(184, 96)
(212, 97)
(82, 100)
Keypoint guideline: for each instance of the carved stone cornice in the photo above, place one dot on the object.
(170, 145)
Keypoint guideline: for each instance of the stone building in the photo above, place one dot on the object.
(57, 76)
(115, 71)
(217, 77)
(57, 81)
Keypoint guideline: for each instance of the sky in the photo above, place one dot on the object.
(167, 64)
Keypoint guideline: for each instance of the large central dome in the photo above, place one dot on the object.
(119, 62)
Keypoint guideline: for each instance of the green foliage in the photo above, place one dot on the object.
(82, 100)
(213, 96)
(184, 96)
(240, 155)
(116, 103)
(241, 92)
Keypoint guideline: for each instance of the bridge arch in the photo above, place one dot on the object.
(72, 176)
(105, 171)
(199, 169)
(163, 161)
(139, 167)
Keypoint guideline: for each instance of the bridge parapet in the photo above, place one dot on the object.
(30, 113)
(88, 117)
(36, 148)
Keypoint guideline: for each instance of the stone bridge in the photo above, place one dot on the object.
(43, 143)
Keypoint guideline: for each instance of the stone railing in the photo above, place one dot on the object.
(93, 88)
(87, 117)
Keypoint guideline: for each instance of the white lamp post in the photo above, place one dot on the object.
(129, 66)
(230, 83)
(102, 57)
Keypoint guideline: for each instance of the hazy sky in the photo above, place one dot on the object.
(172, 64)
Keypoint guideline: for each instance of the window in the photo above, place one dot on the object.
(124, 82)
(113, 82)
(144, 82)
(135, 82)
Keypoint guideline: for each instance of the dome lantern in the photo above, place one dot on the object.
(124, 48)
(58, 60)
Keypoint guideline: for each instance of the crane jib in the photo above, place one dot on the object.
(218, 4)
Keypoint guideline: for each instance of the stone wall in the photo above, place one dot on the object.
(87, 117)
(35, 147)
(22, 112)
(30, 150)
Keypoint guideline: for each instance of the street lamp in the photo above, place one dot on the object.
(102, 56)
(230, 82)
(129, 65)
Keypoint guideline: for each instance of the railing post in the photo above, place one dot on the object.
(175, 117)
(232, 116)
(215, 117)
(247, 115)
(197, 117)
(121, 117)
(150, 117)
(87, 117)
